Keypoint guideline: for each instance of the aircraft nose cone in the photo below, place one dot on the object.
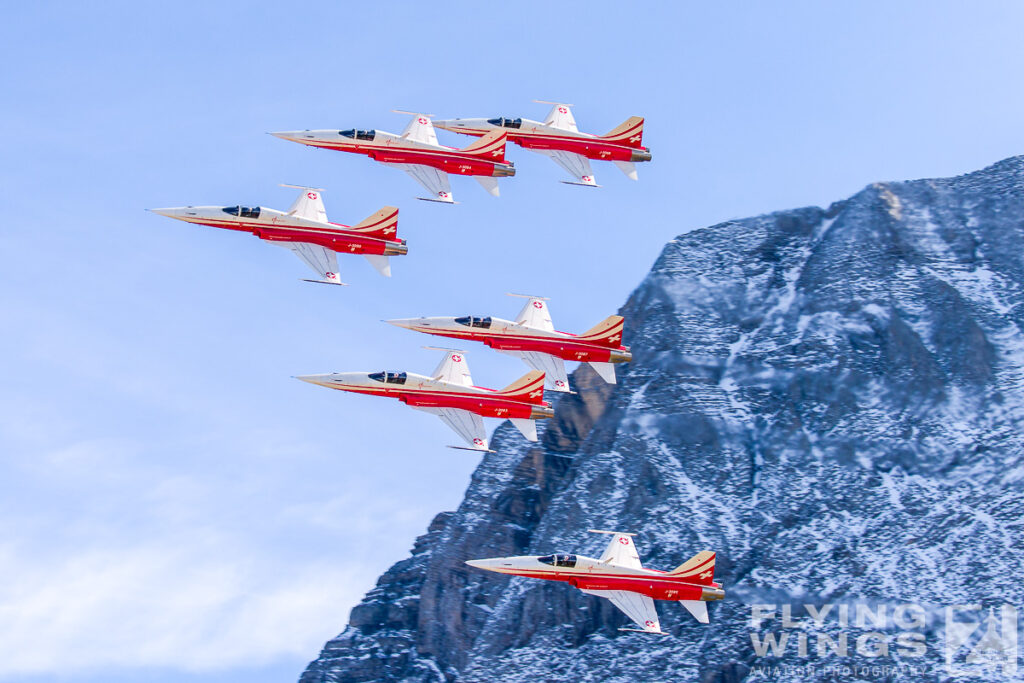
(292, 135)
(175, 212)
(312, 379)
(407, 323)
(490, 565)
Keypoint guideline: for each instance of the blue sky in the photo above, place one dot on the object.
(173, 506)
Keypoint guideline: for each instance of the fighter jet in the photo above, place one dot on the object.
(449, 393)
(304, 229)
(619, 576)
(417, 152)
(532, 337)
(558, 138)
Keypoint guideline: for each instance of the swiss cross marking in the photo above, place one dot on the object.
(478, 441)
(538, 304)
(422, 121)
(587, 178)
(442, 194)
(706, 575)
(614, 338)
(624, 540)
(559, 383)
(563, 110)
(635, 138)
(331, 276)
(456, 358)
(311, 195)
(649, 624)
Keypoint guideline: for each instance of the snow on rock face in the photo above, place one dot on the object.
(833, 400)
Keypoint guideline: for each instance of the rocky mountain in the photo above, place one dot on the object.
(831, 399)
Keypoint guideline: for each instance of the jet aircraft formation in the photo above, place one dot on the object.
(449, 392)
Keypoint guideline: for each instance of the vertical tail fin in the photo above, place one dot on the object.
(699, 569)
(608, 332)
(382, 225)
(490, 146)
(528, 388)
(630, 132)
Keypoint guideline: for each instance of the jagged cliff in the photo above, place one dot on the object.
(833, 400)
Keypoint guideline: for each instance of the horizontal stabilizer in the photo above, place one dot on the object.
(527, 427)
(627, 167)
(381, 263)
(698, 608)
(490, 184)
(605, 370)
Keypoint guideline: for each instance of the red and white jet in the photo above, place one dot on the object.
(619, 576)
(533, 338)
(558, 138)
(417, 152)
(304, 229)
(449, 393)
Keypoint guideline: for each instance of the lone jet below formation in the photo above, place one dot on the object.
(619, 576)
(417, 152)
(533, 338)
(558, 138)
(450, 395)
(304, 229)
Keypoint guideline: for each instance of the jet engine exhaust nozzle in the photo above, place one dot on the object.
(396, 249)
(640, 155)
(541, 412)
(620, 356)
(504, 170)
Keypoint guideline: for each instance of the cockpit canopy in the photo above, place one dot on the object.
(358, 134)
(559, 560)
(502, 122)
(473, 321)
(388, 377)
(243, 211)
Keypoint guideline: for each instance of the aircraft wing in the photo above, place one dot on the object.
(637, 607)
(453, 369)
(577, 165)
(561, 117)
(552, 367)
(420, 129)
(435, 181)
(324, 262)
(621, 551)
(535, 314)
(469, 426)
(308, 205)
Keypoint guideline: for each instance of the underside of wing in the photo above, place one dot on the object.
(435, 181)
(324, 262)
(555, 377)
(637, 607)
(578, 166)
(469, 426)
(622, 552)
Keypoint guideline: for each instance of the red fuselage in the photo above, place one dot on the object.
(337, 238)
(447, 160)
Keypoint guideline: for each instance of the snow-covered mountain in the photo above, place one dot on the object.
(831, 399)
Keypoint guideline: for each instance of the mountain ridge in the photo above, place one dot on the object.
(829, 398)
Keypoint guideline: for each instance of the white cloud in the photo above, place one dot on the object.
(197, 605)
